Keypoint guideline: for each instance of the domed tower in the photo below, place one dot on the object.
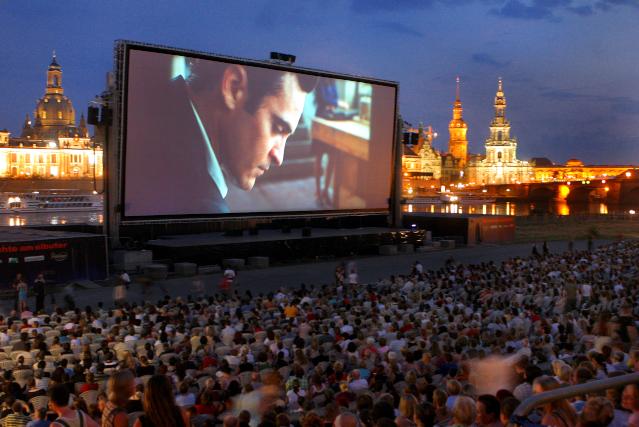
(500, 147)
(54, 112)
(458, 144)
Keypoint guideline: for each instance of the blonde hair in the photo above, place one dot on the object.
(464, 410)
(407, 405)
(119, 386)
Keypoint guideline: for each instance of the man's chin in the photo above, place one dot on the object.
(247, 185)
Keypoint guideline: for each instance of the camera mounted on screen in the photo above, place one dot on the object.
(283, 58)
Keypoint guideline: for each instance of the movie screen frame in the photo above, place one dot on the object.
(124, 50)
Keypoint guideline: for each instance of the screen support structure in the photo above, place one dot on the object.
(395, 205)
(112, 203)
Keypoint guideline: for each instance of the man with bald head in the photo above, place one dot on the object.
(346, 419)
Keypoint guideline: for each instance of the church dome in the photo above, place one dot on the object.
(56, 110)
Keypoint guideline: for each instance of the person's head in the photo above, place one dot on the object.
(508, 406)
(464, 411)
(346, 419)
(630, 397)
(158, 402)
(58, 397)
(453, 387)
(425, 415)
(231, 421)
(120, 387)
(597, 412)
(40, 413)
(487, 409)
(249, 113)
(407, 405)
(439, 398)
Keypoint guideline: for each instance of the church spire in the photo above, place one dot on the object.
(457, 128)
(500, 102)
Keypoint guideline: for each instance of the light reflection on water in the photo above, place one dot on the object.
(518, 208)
(51, 218)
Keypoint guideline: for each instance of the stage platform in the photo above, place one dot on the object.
(60, 255)
(279, 246)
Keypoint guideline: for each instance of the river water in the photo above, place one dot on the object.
(496, 208)
(523, 208)
(51, 218)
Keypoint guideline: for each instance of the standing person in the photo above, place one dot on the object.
(120, 387)
(16, 301)
(126, 279)
(339, 275)
(535, 252)
(418, 268)
(67, 417)
(23, 292)
(228, 278)
(353, 278)
(160, 409)
(590, 244)
(39, 286)
(119, 293)
(544, 248)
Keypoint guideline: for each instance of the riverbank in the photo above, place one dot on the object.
(530, 229)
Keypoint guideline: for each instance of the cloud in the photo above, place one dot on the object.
(551, 10)
(537, 10)
(373, 6)
(398, 28)
(487, 59)
(581, 10)
(532, 10)
(617, 104)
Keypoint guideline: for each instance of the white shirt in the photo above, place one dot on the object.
(358, 385)
(185, 399)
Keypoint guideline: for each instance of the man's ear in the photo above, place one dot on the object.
(234, 86)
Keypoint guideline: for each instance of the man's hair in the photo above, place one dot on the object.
(597, 412)
(491, 405)
(508, 406)
(59, 394)
(206, 76)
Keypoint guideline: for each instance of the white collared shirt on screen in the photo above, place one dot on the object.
(214, 168)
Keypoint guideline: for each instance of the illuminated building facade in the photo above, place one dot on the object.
(575, 170)
(500, 165)
(51, 146)
(421, 164)
(457, 128)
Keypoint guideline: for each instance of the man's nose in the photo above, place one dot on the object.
(277, 152)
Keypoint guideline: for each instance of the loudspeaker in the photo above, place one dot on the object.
(254, 231)
(306, 232)
(93, 116)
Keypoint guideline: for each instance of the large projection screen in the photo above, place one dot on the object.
(214, 136)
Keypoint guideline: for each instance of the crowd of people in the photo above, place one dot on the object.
(462, 345)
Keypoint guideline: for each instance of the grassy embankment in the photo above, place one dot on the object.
(577, 228)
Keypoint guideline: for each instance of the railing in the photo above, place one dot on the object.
(532, 402)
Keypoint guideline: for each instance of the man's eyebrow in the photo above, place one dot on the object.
(280, 122)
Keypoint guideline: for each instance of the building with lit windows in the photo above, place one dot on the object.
(500, 165)
(421, 163)
(51, 146)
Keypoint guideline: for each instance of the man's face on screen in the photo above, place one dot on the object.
(258, 139)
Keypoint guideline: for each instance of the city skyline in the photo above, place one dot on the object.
(568, 66)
